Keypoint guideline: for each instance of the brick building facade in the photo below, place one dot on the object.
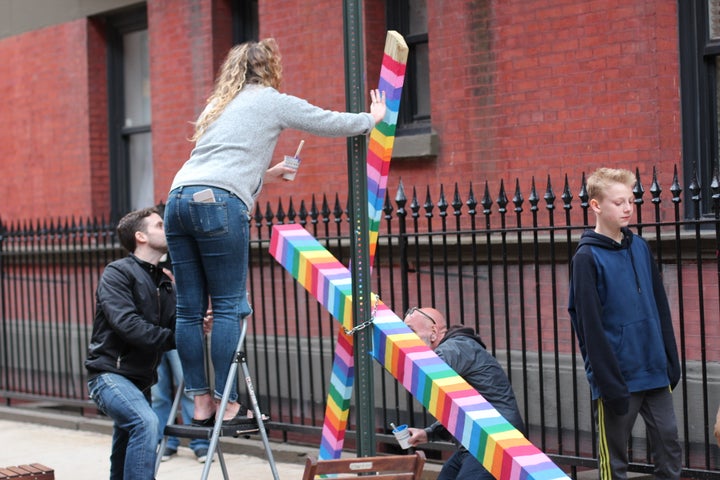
(516, 90)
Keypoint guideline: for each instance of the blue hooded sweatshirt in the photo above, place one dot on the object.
(621, 317)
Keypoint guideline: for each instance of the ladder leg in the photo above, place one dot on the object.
(170, 421)
(161, 449)
(258, 417)
(223, 467)
(217, 429)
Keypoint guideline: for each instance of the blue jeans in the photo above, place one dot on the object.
(134, 429)
(208, 244)
(163, 393)
(463, 466)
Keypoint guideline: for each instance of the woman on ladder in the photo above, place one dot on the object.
(207, 213)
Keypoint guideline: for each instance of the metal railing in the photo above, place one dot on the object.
(500, 265)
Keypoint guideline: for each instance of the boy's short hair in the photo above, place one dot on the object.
(602, 178)
(131, 223)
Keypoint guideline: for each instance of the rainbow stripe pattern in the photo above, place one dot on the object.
(337, 408)
(382, 138)
(471, 419)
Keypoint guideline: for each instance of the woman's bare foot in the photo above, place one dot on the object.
(204, 407)
(233, 408)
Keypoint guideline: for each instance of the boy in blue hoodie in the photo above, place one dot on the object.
(621, 317)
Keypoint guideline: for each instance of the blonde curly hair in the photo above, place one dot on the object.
(245, 64)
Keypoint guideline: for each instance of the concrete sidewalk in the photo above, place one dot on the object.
(79, 455)
(77, 448)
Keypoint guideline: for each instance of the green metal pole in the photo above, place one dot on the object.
(360, 238)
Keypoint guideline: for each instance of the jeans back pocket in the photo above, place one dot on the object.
(209, 218)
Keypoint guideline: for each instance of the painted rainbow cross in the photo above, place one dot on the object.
(502, 449)
(471, 419)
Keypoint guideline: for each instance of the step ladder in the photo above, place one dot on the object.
(218, 430)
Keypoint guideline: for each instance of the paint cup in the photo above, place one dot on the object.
(292, 162)
(402, 435)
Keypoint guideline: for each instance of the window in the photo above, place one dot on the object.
(245, 21)
(699, 26)
(409, 18)
(131, 163)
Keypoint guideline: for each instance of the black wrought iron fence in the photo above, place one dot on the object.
(494, 261)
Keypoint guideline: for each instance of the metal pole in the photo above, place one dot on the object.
(360, 238)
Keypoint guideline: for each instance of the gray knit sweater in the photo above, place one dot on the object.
(237, 148)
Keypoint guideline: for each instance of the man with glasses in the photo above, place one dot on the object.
(465, 353)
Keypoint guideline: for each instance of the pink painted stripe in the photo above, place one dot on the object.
(391, 77)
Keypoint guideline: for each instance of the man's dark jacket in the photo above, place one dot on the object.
(134, 321)
(465, 353)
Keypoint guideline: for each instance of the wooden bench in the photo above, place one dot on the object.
(34, 471)
(390, 467)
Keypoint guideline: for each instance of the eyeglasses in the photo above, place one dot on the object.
(416, 309)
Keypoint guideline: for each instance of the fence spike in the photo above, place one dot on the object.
(502, 200)
(325, 209)
(518, 197)
(471, 201)
(337, 210)
(486, 201)
(428, 205)
(566, 195)
(675, 188)
(387, 206)
(442, 203)
(534, 198)
(314, 212)
(414, 205)
(457, 202)
(694, 188)
(549, 195)
(291, 212)
(583, 194)
(258, 216)
(268, 214)
(401, 200)
(303, 213)
(655, 189)
(638, 190)
(280, 215)
(400, 197)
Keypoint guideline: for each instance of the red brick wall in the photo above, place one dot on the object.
(523, 89)
(98, 119)
(45, 137)
(182, 69)
(310, 36)
(518, 89)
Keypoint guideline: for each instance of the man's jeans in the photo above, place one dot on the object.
(169, 376)
(463, 466)
(135, 426)
(208, 244)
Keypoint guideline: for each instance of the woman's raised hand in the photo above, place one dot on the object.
(377, 107)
